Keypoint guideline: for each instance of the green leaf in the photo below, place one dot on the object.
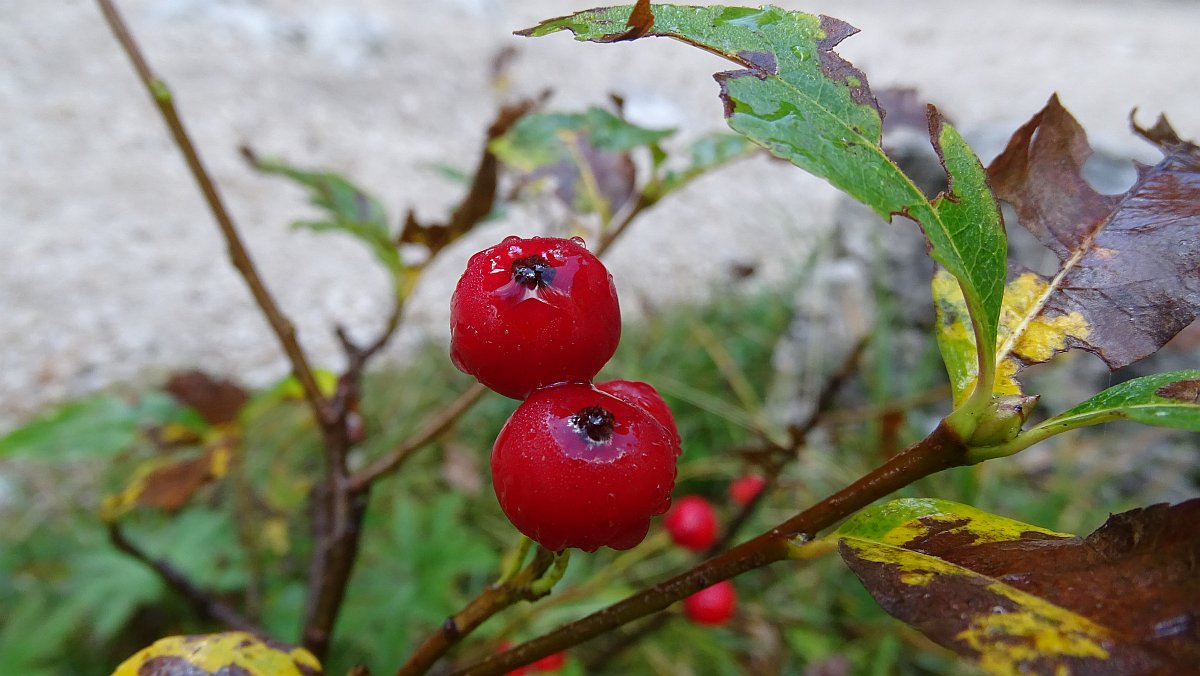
(98, 426)
(804, 103)
(1022, 599)
(536, 141)
(705, 154)
(1164, 400)
(347, 207)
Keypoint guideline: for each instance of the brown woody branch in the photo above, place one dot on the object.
(202, 603)
(941, 450)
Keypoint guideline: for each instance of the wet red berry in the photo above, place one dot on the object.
(576, 467)
(643, 394)
(528, 313)
(692, 523)
(712, 605)
(746, 488)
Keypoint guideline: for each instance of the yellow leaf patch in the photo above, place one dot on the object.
(213, 652)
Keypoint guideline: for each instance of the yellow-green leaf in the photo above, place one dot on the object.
(1026, 334)
(1022, 599)
(235, 652)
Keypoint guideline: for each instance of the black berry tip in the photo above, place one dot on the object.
(533, 272)
(595, 423)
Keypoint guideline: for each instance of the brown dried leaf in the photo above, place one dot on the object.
(1130, 263)
(481, 197)
(1021, 599)
(217, 401)
(641, 22)
(170, 485)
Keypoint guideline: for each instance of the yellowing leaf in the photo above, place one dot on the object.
(235, 652)
(1022, 599)
(1026, 334)
(168, 484)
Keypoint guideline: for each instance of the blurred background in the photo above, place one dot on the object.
(742, 292)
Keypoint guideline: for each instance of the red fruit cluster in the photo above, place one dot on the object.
(577, 464)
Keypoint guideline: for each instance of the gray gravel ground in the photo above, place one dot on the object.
(111, 270)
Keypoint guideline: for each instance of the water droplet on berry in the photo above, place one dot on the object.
(579, 240)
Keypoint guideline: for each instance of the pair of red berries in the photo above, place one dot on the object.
(577, 464)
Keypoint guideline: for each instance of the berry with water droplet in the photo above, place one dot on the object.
(528, 313)
(644, 395)
(577, 467)
(713, 605)
(692, 523)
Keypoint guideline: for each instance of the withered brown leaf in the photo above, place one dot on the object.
(1130, 263)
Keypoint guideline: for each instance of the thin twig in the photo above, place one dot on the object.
(204, 604)
(284, 331)
(432, 429)
(490, 601)
(941, 450)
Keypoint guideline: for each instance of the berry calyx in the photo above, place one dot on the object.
(744, 489)
(644, 395)
(576, 467)
(692, 523)
(713, 605)
(528, 313)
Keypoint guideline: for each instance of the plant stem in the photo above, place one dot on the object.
(490, 601)
(283, 328)
(204, 604)
(941, 450)
(432, 429)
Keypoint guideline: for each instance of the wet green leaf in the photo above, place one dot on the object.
(1022, 599)
(796, 97)
(1164, 400)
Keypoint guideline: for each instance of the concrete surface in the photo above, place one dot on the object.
(111, 270)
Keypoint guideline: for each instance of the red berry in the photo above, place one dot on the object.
(712, 605)
(643, 394)
(575, 467)
(746, 488)
(528, 313)
(550, 662)
(692, 523)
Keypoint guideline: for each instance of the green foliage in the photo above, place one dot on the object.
(98, 426)
(348, 209)
(804, 103)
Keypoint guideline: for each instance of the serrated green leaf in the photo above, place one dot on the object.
(1164, 400)
(348, 209)
(804, 103)
(1022, 599)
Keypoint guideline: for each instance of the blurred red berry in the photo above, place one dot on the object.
(712, 605)
(692, 523)
(746, 488)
